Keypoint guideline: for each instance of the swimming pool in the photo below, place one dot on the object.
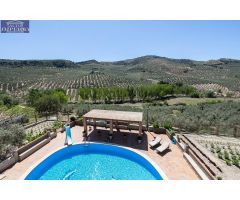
(95, 161)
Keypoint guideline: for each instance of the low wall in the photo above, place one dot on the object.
(27, 150)
(34, 124)
(8, 163)
(31, 144)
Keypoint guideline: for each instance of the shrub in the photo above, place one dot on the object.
(210, 94)
(156, 124)
(195, 95)
(212, 150)
(231, 152)
(218, 149)
(220, 156)
(11, 137)
(228, 162)
(30, 137)
(57, 124)
(236, 163)
(234, 157)
(172, 134)
(24, 119)
(212, 145)
(167, 125)
(230, 94)
(226, 155)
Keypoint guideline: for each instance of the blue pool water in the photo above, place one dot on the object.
(94, 162)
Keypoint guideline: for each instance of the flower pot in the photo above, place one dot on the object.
(139, 140)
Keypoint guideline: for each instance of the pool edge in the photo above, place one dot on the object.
(158, 169)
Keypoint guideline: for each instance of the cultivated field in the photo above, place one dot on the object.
(17, 82)
(16, 77)
(226, 151)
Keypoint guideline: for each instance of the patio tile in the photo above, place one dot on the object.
(172, 163)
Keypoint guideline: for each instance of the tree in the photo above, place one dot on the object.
(11, 137)
(47, 101)
(93, 95)
(67, 109)
(8, 101)
(63, 99)
(131, 94)
(33, 96)
(195, 95)
(48, 105)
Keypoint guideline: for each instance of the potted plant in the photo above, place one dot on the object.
(139, 138)
(156, 127)
(172, 134)
(110, 136)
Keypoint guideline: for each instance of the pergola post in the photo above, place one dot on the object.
(111, 126)
(140, 128)
(116, 125)
(94, 124)
(85, 125)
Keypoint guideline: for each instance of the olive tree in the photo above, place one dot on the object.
(11, 137)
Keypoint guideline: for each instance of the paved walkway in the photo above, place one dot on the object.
(172, 163)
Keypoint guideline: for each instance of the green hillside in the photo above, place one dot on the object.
(16, 76)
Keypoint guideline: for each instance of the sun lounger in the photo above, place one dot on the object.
(163, 147)
(155, 142)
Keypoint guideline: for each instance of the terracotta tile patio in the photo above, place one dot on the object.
(172, 162)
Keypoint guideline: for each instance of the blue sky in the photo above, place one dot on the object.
(117, 40)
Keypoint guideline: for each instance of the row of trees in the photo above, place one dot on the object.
(132, 94)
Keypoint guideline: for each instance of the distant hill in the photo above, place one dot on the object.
(151, 59)
(144, 60)
(224, 71)
(37, 63)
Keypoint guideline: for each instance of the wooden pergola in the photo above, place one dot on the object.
(113, 116)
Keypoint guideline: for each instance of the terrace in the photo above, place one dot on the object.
(172, 162)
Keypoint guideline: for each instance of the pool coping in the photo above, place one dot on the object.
(159, 170)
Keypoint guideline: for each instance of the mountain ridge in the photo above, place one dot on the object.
(132, 61)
